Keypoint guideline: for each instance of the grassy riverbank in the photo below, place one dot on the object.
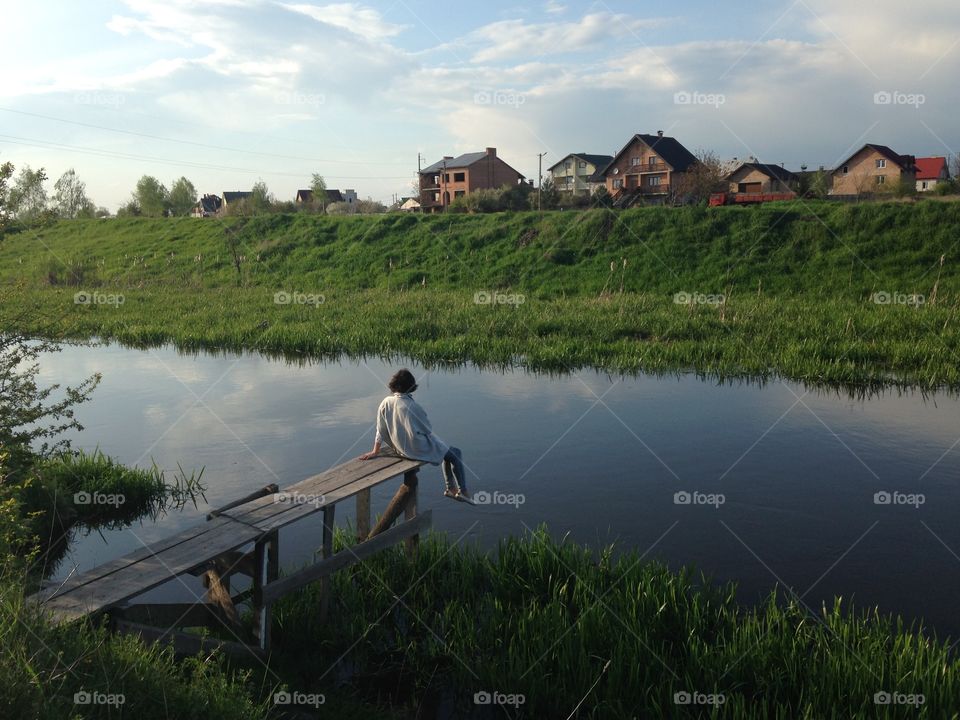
(821, 293)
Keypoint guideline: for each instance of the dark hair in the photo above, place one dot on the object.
(402, 382)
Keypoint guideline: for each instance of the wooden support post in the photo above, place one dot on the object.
(329, 519)
(398, 504)
(410, 510)
(218, 593)
(363, 514)
(266, 552)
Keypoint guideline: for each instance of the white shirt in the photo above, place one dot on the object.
(403, 426)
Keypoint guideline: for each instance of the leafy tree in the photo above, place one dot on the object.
(151, 197)
(28, 198)
(6, 172)
(515, 197)
(704, 177)
(70, 197)
(319, 188)
(130, 209)
(260, 199)
(182, 198)
(548, 198)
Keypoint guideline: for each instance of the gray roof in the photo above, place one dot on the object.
(461, 161)
(230, 196)
(598, 161)
(774, 171)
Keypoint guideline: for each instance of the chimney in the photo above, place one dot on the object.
(492, 152)
(448, 157)
(659, 133)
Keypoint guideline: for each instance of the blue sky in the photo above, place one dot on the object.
(229, 91)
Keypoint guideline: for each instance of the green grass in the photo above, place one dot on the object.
(558, 623)
(598, 288)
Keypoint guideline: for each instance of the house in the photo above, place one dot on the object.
(648, 167)
(409, 204)
(306, 196)
(453, 177)
(930, 171)
(233, 197)
(579, 173)
(873, 168)
(207, 206)
(756, 177)
(349, 196)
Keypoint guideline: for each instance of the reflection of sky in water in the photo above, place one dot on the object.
(597, 456)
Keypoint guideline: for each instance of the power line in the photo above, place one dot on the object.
(47, 145)
(194, 143)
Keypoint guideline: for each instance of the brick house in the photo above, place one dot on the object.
(453, 177)
(930, 171)
(873, 168)
(755, 177)
(648, 167)
(579, 173)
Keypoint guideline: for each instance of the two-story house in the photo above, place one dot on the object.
(873, 168)
(648, 167)
(579, 173)
(453, 177)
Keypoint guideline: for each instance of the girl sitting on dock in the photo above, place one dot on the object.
(404, 429)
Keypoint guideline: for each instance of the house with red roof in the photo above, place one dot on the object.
(930, 171)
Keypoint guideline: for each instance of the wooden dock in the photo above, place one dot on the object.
(215, 550)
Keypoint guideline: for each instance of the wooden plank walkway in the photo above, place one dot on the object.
(255, 521)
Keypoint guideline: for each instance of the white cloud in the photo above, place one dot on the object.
(363, 21)
(508, 39)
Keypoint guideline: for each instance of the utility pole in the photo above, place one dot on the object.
(540, 183)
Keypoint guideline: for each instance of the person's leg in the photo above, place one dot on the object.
(449, 472)
(455, 459)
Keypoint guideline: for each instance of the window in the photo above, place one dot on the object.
(436, 197)
(924, 185)
(459, 193)
(436, 180)
(634, 161)
(459, 177)
(446, 177)
(582, 164)
(617, 184)
(652, 160)
(881, 179)
(654, 180)
(845, 169)
(881, 164)
(567, 165)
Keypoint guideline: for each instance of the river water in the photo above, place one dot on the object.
(779, 484)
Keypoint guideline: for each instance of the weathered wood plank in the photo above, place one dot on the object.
(275, 590)
(344, 492)
(256, 494)
(161, 561)
(169, 615)
(218, 593)
(187, 643)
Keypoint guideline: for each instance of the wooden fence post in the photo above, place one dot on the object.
(363, 514)
(266, 554)
(329, 515)
(410, 510)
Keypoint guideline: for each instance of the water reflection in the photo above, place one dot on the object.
(598, 455)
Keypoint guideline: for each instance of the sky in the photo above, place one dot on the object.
(226, 92)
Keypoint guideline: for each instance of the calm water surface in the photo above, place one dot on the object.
(600, 458)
